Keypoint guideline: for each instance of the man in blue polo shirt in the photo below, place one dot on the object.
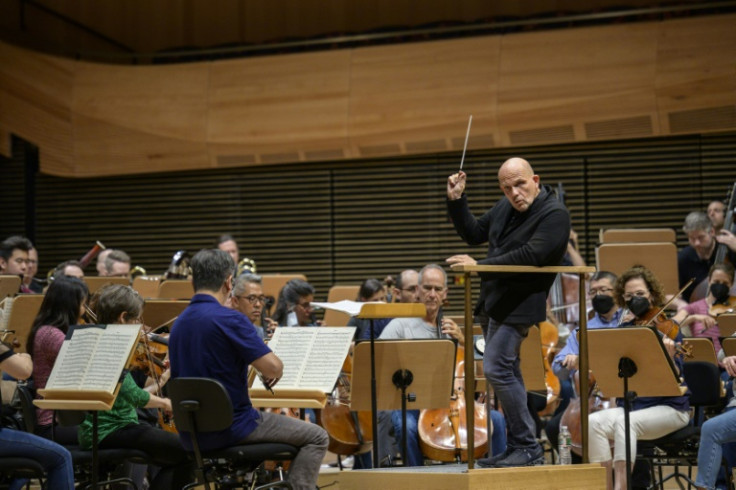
(211, 341)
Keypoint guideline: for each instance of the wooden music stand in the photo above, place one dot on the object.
(703, 349)
(423, 367)
(96, 282)
(637, 235)
(9, 285)
(176, 289)
(335, 318)
(372, 311)
(639, 357)
(727, 324)
(581, 271)
(147, 286)
(23, 311)
(157, 312)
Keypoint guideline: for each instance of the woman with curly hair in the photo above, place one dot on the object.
(651, 417)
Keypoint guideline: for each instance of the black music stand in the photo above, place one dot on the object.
(639, 357)
(426, 367)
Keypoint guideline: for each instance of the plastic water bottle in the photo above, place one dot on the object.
(564, 443)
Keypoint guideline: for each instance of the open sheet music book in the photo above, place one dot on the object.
(352, 308)
(91, 362)
(312, 357)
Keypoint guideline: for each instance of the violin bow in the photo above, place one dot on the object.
(465, 147)
(672, 299)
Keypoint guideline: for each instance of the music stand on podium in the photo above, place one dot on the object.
(638, 356)
(424, 366)
(468, 270)
(375, 311)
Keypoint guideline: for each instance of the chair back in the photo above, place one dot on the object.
(27, 408)
(200, 404)
(704, 381)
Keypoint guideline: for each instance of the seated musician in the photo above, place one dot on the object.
(651, 417)
(34, 284)
(370, 290)
(716, 214)
(69, 268)
(699, 322)
(62, 306)
(247, 297)
(432, 293)
(117, 264)
(119, 427)
(14, 258)
(55, 459)
(406, 288)
(565, 364)
(212, 341)
(294, 306)
(228, 244)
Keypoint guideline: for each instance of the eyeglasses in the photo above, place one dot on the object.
(253, 299)
(437, 289)
(411, 289)
(628, 296)
(306, 306)
(601, 290)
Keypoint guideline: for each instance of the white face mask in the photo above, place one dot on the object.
(291, 320)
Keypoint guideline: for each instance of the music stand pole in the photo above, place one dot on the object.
(374, 404)
(626, 369)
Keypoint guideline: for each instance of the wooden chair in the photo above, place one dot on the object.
(272, 284)
(147, 286)
(334, 318)
(19, 313)
(638, 235)
(176, 289)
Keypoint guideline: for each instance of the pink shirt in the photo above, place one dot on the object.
(700, 307)
(46, 346)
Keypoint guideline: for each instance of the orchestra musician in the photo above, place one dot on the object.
(294, 306)
(14, 258)
(117, 264)
(370, 290)
(407, 287)
(62, 306)
(212, 341)
(29, 279)
(717, 214)
(695, 260)
(100, 265)
(55, 459)
(522, 229)
(69, 268)
(650, 417)
(119, 428)
(432, 293)
(229, 245)
(247, 297)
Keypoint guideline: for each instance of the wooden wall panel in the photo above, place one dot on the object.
(602, 83)
(423, 94)
(572, 76)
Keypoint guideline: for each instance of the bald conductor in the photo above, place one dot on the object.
(528, 227)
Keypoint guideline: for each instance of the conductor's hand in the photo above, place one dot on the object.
(570, 361)
(730, 364)
(456, 185)
(461, 259)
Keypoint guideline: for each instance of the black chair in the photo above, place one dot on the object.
(680, 448)
(13, 467)
(203, 405)
(108, 459)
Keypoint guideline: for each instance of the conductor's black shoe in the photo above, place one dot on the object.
(532, 456)
(490, 462)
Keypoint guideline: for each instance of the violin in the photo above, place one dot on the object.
(15, 343)
(655, 317)
(720, 308)
(443, 432)
(147, 358)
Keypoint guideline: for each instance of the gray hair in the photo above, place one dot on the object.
(242, 280)
(432, 266)
(115, 256)
(210, 269)
(697, 221)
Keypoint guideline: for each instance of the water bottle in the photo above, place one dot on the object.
(564, 443)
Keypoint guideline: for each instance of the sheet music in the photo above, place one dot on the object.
(352, 308)
(93, 358)
(312, 356)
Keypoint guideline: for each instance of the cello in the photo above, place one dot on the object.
(443, 432)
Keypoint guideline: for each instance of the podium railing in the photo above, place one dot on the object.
(468, 270)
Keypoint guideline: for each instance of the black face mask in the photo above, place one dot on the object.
(719, 292)
(638, 305)
(602, 303)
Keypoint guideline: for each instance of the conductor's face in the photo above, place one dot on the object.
(432, 290)
(518, 183)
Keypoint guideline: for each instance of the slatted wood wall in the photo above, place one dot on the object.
(341, 222)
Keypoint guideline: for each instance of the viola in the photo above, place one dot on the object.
(443, 432)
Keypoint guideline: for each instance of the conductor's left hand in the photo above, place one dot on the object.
(461, 259)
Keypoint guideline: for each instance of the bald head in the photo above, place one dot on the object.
(519, 183)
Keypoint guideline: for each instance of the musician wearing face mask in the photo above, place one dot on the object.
(650, 417)
(696, 319)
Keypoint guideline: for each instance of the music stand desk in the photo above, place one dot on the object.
(703, 349)
(9, 285)
(727, 324)
(468, 270)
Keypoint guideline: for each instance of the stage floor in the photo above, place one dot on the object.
(457, 477)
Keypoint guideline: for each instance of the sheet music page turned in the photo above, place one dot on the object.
(312, 356)
(93, 357)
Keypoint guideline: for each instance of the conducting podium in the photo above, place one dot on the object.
(468, 270)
